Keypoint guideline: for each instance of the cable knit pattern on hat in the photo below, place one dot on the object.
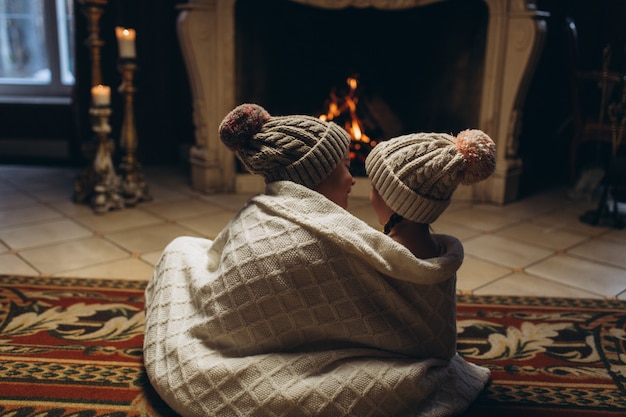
(417, 174)
(299, 148)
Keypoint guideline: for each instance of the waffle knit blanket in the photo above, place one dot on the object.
(298, 308)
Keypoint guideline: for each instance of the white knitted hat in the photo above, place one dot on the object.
(417, 174)
(302, 149)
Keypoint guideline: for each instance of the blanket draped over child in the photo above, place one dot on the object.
(298, 308)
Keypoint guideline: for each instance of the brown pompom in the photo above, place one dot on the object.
(241, 124)
(480, 155)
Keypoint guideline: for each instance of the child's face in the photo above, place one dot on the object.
(338, 184)
(382, 210)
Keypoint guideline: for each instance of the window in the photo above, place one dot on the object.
(36, 50)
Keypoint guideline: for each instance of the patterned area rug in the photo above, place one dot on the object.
(73, 347)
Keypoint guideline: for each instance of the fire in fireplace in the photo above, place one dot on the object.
(343, 108)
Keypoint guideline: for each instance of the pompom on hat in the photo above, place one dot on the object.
(297, 148)
(417, 174)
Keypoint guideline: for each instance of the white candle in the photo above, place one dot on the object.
(101, 95)
(126, 42)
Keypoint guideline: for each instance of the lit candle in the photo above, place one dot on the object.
(126, 42)
(101, 95)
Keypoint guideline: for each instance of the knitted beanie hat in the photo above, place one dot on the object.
(302, 149)
(417, 174)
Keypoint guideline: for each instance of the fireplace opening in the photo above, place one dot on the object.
(419, 69)
(345, 108)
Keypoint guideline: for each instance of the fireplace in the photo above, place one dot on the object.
(236, 51)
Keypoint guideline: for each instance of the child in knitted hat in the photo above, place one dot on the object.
(414, 176)
(297, 148)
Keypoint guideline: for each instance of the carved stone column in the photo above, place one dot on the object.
(515, 38)
(206, 32)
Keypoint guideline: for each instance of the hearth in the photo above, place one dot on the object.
(422, 65)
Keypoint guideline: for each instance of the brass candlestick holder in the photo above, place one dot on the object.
(134, 187)
(98, 183)
(106, 190)
(85, 182)
(93, 10)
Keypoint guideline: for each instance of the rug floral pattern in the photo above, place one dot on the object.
(548, 353)
(73, 347)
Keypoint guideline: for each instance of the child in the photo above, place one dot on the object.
(414, 176)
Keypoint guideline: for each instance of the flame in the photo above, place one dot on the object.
(346, 105)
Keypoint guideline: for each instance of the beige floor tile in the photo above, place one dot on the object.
(152, 258)
(51, 193)
(365, 213)
(161, 194)
(13, 264)
(359, 202)
(453, 229)
(47, 185)
(568, 219)
(44, 233)
(505, 252)
(73, 255)
(603, 250)
(208, 224)
(475, 273)
(232, 202)
(580, 273)
(72, 209)
(149, 238)
(180, 209)
(535, 205)
(617, 235)
(127, 218)
(542, 235)
(132, 269)
(12, 198)
(521, 284)
(27, 214)
(509, 212)
(483, 219)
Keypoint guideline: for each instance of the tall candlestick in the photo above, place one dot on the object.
(126, 42)
(106, 191)
(99, 184)
(101, 95)
(93, 10)
(98, 178)
(134, 187)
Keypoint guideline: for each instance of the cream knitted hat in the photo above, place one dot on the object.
(302, 149)
(417, 174)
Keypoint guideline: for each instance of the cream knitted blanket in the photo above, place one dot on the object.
(300, 309)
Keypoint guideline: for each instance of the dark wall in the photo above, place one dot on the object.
(48, 125)
(547, 127)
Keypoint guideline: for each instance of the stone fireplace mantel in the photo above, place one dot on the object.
(206, 31)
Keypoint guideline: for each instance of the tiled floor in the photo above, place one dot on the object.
(536, 246)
